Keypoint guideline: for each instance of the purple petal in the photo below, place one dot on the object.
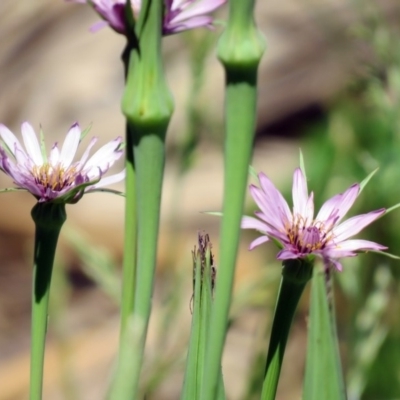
(54, 157)
(287, 254)
(87, 152)
(113, 12)
(275, 196)
(109, 180)
(258, 242)
(31, 143)
(330, 261)
(70, 145)
(355, 245)
(338, 206)
(10, 139)
(24, 162)
(97, 26)
(271, 213)
(271, 230)
(253, 223)
(105, 156)
(354, 225)
(300, 194)
(171, 27)
(196, 9)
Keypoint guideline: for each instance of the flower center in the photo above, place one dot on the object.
(308, 237)
(54, 177)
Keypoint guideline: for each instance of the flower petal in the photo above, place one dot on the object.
(192, 23)
(109, 180)
(87, 152)
(54, 157)
(198, 8)
(70, 145)
(105, 156)
(300, 194)
(253, 223)
(354, 245)
(271, 213)
(258, 242)
(275, 197)
(31, 143)
(354, 225)
(337, 206)
(286, 254)
(10, 140)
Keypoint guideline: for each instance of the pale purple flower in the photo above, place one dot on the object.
(56, 177)
(303, 236)
(179, 15)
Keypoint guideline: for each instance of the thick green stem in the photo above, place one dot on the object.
(48, 219)
(240, 50)
(121, 384)
(295, 276)
(147, 105)
(129, 263)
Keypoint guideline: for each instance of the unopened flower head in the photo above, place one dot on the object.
(298, 233)
(179, 15)
(56, 178)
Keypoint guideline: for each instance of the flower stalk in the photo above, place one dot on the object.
(129, 262)
(48, 219)
(147, 105)
(240, 50)
(295, 275)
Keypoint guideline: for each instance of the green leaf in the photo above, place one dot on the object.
(390, 209)
(42, 146)
(302, 165)
(324, 377)
(85, 132)
(190, 382)
(253, 172)
(204, 280)
(384, 253)
(215, 213)
(367, 179)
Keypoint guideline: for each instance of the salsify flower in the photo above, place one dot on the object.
(298, 233)
(179, 15)
(56, 178)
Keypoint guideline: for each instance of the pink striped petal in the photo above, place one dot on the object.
(70, 145)
(258, 242)
(354, 225)
(299, 193)
(253, 223)
(31, 143)
(338, 206)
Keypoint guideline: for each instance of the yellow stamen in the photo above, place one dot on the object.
(55, 177)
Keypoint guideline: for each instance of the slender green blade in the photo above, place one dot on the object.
(204, 280)
(190, 382)
(324, 377)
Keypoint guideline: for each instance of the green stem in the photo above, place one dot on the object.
(295, 276)
(48, 218)
(149, 157)
(147, 105)
(129, 263)
(240, 50)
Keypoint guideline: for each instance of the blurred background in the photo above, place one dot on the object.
(329, 84)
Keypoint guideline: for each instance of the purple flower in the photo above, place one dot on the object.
(179, 15)
(298, 233)
(57, 178)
